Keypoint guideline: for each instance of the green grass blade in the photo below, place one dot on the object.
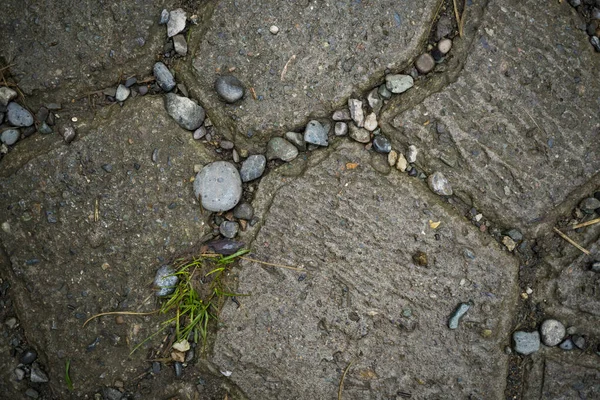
(67, 377)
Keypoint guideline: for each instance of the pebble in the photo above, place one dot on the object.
(402, 164)
(595, 41)
(183, 345)
(243, 211)
(226, 145)
(374, 101)
(199, 133)
(143, 90)
(178, 369)
(392, 157)
(425, 63)
(176, 22)
(526, 342)
(595, 267)
(19, 374)
(44, 129)
(180, 45)
(123, 93)
(552, 332)
(253, 167)
(371, 122)
(274, 29)
(37, 375)
(32, 393)
(356, 112)
(381, 144)
(384, 92)
(359, 134)
(68, 134)
(218, 186)
(399, 83)
(164, 77)
(229, 229)
(341, 115)
(589, 205)
(439, 184)
(315, 133)
(515, 234)
(509, 243)
(229, 88)
(164, 17)
(575, 3)
(112, 393)
(444, 46)
(297, 139)
(458, 314)
(7, 95)
(11, 322)
(165, 281)
(567, 344)
(379, 164)
(18, 116)
(579, 341)
(411, 156)
(10, 136)
(28, 357)
(184, 111)
(280, 149)
(341, 129)
(235, 156)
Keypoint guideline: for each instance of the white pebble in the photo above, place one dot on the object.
(274, 29)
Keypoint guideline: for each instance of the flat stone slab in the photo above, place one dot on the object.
(566, 378)
(519, 126)
(322, 53)
(360, 295)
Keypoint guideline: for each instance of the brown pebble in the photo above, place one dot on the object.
(420, 258)
(425, 63)
(119, 320)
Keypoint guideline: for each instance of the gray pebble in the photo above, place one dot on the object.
(384, 92)
(458, 314)
(439, 184)
(229, 229)
(180, 45)
(164, 77)
(235, 156)
(218, 186)
(381, 144)
(37, 375)
(411, 156)
(184, 111)
(425, 63)
(123, 93)
(341, 115)
(44, 129)
(374, 101)
(567, 344)
(575, 3)
(68, 134)
(579, 341)
(399, 83)
(280, 149)
(552, 332)
(164, 17)
(595, 41)
(253, 167)
(42, 114)
(32, 393)
(297, 139)
(229, 88)
(178, 369)
(595, 267)
(143, 90)
(165, 281)
(444, 46)
(6, 95)
(130, 82)
(176, 22)
(19, 374)
(243, 211)
(359, 134)
(356, 112)
(18, 116)
(155, 367)
(199, 133)
(526, 342)
(10, 136)
(315, 133)
(515, 234)
(341, 129)
(110, 393)
(589, 205)
(226, 145)
(28, 357)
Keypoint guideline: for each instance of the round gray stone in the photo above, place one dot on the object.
(28, 357)
(552, 332)
(359, 134)
(567, 344)
(199, 133)
(425, 63)
(253, 167)
(218, 186)
(589, 205)
(184, 111)
(18, 116)
(229, 88)
(444, 46)
(164, 77)
(229, 229)
(280, 149)
(381, 144)
(122, 93)
(526, 342)
(165, 281)
(399, 83)
(297, 139)
(315, 133)
(439, 184)
(10, 136)
(384, 92)
(341, 129)
(244, 211)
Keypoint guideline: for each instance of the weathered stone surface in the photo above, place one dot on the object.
(562, 379)
(520, 149)
(312, 66)
(330, 223)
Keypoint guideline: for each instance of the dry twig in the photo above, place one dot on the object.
(568, 239)
(118, 313)
(286, 66)
(588, 223)
(342, 380)
(271, 264)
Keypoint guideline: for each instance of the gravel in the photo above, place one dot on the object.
(176, 22)
(425, 63)
(10, 136)
(180, 45)
(280, 149)
(274, 29)
(392, 158)
(567, 344)
(381, 144)
(399, 83)
(341, 129)
(411, 156)
(384, 92)
(6, 95)
(229, 229)
(552, 332)
(356, 112)
(359, 134)
(371, 122)
(164, 77)
(18, 116)
(526, 342)
(184, 111)
(164, 17)
(589, 205)
(165, 281)
(374, 101)
(439, 184)
(28, 357)
(229, 88)
(243, 211)
(444, 46)
(341, 115)
(122, 93)
(199, 133)
(37, 375)
(68, 133)
(253, 167)
(315, 133)
(297, 139)
(218, 186)
(460, 311)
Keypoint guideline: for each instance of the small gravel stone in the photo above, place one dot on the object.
(218, 186)
(178, 369)
(244, 211)
(226, 145)
(297, 139)
(411, 156)
(579, 341)
(165, 281)
(458, 314)
(439, 184)
(18, 116)
(575, 3)
(110, 393)
(32, 393)
(68, 133)
(567, 344)
(402, 164)
(280, 149)
(253, 167)
(176, 22)
(595, 267)
(509, 243)
(315, 133)
(41, 115)
(444, 46)
(374, 101)
(44, 129)
(425, 63)
(392, 158)
(381, 144)
(164, 77)
(384, 92)
(10, 136)
(589, 205)
(143, 90)
(274, 29)
(595, 41)
(19, 374)
(515, 234)
(229, 229)
(359, 134)
(356, 112)
(229, 88)
(180, 45)
(28, 357)
(37, 375)
(164, 17)
(184, 111)
(526, 342)
(371, 122)
(199, 133)
(122, 93)
(7, 95)
(341, 129)
(552, 332)
(341, 115)
(399, 83)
